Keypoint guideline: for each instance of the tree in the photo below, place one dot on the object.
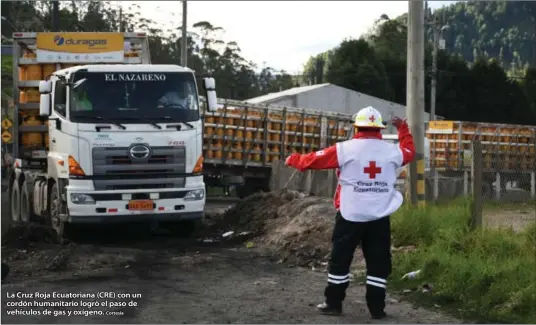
(207, 52)
(354, 65)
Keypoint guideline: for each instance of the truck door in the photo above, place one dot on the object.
(58, 120)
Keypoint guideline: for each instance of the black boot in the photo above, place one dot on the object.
(326, 309)
(379, 315)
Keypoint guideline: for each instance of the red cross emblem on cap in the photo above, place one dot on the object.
(372, 118)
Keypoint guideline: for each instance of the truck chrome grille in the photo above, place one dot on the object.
(125, 173)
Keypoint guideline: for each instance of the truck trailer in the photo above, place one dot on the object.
(107, 136)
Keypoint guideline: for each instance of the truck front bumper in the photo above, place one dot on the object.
(113, 206)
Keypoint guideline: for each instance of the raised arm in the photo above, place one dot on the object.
(405, 141)
(322, 159)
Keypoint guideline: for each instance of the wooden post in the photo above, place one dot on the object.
(476, 173)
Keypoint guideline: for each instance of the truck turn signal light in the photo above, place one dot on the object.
(198, 168)
(74, 167)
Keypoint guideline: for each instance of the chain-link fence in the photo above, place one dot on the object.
(503, 184)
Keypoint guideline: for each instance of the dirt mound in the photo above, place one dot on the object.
(295, 225)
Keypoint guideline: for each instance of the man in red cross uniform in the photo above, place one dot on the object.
(364, 199)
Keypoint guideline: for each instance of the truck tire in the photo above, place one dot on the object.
(242, 191)
(26, 206)
(57, 224)
(15, 202)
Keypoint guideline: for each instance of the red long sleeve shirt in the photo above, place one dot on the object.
(328, 159)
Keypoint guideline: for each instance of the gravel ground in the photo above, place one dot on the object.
(203, 285)
(178, 281)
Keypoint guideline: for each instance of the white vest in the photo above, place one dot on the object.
(368, 175)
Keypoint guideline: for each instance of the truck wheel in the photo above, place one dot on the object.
(15, 202)
(26, 211)
(242, 191)
(57, 224)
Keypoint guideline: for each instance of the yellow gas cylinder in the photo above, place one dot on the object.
(32, 139)
(209, 119)
(275, 137)
(238, 153)
(209, 130)
(257, 155)
(309, 125)
(217, 150)
(33, 95)
(219, 132)
(48, 69)
(22, 97)
(292, 120)
(229, 153)
(23, 73)
(275, 152)
(33, 71)
(258, 123)
(229, 132)
(239, 134)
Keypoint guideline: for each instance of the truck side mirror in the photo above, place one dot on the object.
(45, 86)
(44, 105)
(210, 89)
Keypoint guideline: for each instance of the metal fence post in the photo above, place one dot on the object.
(476, 173)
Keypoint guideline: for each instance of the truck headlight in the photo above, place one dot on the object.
(80, 198)
(195, 195)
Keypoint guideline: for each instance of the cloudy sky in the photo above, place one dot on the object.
(284, 34)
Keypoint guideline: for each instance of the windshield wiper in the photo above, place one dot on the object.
(111, 122)
(139, 119)
(167, 118)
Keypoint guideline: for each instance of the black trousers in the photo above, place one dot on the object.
(375, 239)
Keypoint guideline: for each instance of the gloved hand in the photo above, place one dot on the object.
(398, 122)
(292, 160)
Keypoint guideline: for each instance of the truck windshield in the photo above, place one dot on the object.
(133, 97)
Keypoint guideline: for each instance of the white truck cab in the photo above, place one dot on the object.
(125, 144)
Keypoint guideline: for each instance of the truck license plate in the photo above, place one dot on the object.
(141, 205)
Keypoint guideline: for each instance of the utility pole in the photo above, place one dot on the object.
(184, 40)
(415, 98)
(437, 31)
(55, 16)
(121, 29)
(433, 89)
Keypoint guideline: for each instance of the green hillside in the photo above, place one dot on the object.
(486, 73)
(505, 30)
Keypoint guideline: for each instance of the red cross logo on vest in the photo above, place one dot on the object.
(372, 118)
(372, 170)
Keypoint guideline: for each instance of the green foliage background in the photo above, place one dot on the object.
(486, 73)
